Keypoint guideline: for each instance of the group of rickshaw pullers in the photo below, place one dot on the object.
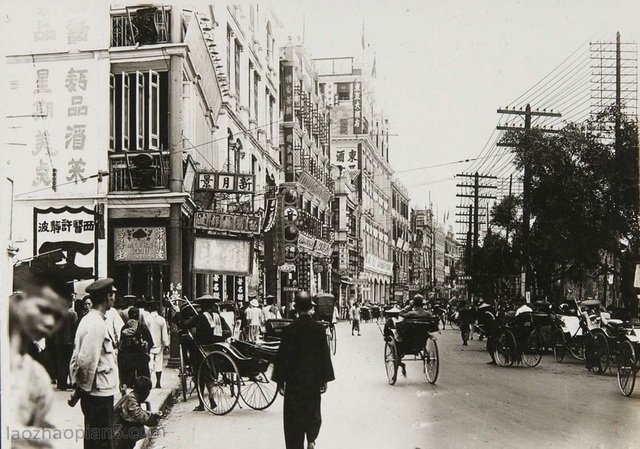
(522, 332)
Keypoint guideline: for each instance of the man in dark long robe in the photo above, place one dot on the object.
(303, 368)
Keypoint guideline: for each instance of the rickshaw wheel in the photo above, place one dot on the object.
(599, 353)
(333, 340)
(431, 360)
(505, 348)
(558, 345)
(259, 391)
(218, 383)
(391, 361)
(183, 375)
(577, 349)
(532, 352)
(626, 368)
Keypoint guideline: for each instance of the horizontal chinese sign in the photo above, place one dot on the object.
(220, 221)
(147, 244)
(68, 235)
(226, 182)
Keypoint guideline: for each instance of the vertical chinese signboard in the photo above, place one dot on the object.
(288, 102)
(289, 165)
(54, 103)
(287, 92)
(68, 236)
(357, 107)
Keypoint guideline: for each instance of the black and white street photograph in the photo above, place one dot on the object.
(331, 224)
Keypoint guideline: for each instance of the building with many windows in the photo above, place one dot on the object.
(302, 239)
(147, 137)
(401, 242)
(359, 141)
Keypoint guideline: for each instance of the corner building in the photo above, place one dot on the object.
(146, 137)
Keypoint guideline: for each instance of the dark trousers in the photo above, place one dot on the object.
(63, 357)
(355, 325)
(98, 421)
(301, 416)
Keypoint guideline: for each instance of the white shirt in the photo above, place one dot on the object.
(114, 324)
(268, 314)
(254, 316)
(158, 329)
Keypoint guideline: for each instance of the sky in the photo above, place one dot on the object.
(445, 67)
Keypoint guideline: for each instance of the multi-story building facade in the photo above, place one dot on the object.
(359, 141)
(402, 239)
(147, 137)
(244, 154)
(303, 242)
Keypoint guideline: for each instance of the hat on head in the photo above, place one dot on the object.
(254, 302)
(418, 300)
(303, 301)
(206, 300)
(104, 286)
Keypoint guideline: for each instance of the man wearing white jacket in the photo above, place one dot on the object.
(94, 369)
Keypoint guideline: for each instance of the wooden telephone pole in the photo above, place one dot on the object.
(473, 216)
(525, 285)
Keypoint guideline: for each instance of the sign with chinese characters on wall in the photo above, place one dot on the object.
(220, 221)
(287, 89)
(56, 105)
(143, 244)
(357, 107)
(56, 108)
(289, 162)
(345, 157)
(68, 235)
(226, 182)
(56, 26)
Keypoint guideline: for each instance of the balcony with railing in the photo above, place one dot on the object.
(139, 171)
(141, 26)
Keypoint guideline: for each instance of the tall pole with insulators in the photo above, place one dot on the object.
(525, 142)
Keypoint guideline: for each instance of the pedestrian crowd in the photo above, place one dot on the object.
(109, 352)
(96, 353)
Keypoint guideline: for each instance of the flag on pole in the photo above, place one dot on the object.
(373, 68)
(363, 34)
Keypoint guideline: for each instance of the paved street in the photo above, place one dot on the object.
(473, 405)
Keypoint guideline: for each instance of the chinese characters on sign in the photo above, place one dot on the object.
(140, 244)
(68, 234)
(287, 87)
(357, 107)
(226, 182)
(289, 163)
(219, 221)
(347, 158)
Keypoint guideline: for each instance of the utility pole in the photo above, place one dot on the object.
(525, 285)
(473, 214)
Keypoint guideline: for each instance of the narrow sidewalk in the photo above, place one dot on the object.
(70, 421)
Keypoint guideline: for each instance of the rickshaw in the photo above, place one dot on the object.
(518, 340)
(628, 364)
(325, 312)
(411, 337)
(227, 372)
